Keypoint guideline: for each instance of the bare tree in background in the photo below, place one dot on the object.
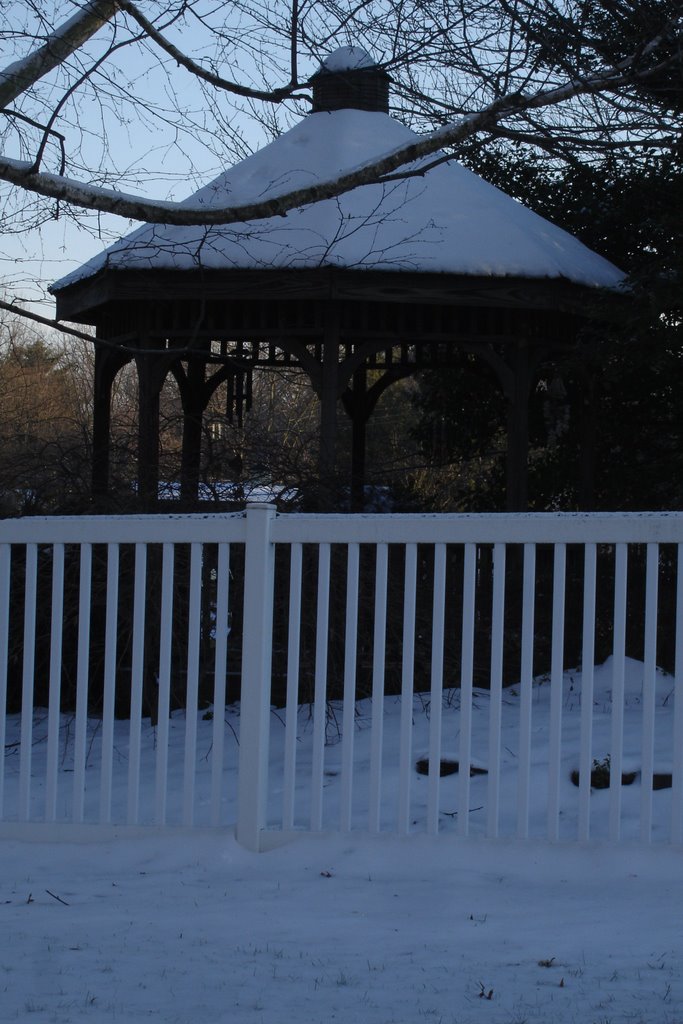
(45, 395)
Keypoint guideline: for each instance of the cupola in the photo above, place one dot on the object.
(349, 78)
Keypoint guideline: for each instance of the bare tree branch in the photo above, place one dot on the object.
(480, 73)
(268, 95)
(22, 174)
(68, 38)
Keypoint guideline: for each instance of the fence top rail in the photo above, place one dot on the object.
(483, 528)
(402, 528)
(150, 529)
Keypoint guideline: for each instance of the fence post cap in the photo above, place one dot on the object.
(260, 504)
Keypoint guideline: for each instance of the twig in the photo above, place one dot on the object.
(55, 897)
(454, 814)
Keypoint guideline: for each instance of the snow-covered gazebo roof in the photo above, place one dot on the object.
(447, 221)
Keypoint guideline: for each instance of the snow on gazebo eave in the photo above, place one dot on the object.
(447, 221)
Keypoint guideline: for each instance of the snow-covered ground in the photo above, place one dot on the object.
(190, 927)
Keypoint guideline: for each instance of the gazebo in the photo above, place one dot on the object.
(389, 279)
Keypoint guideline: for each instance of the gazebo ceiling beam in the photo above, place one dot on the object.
(376, 351)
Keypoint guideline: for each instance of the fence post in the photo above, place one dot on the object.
(256, 669)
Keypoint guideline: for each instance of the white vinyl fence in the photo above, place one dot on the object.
(303, 672)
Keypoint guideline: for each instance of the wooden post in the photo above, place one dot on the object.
(150, 382)
(518, 431)
(329, 393)
(359, 418)
(360, 402)
(588, 427)
(193, 395)
(107, 365)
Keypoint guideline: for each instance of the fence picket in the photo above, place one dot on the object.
(619, 668)
(82, 680)
(164, 683)
(436, 689)
(526, 690)
(587, 681)
(136, 674)
(496, 690)
(292, 697)
(111, 621)
(192, 691)
(28, 682)
(349, 699)
(222, 631)
(378, 664)
(469, 584)
(556, 694)
(407, 688)
(649, 683)
(320, 688)
(53, 714)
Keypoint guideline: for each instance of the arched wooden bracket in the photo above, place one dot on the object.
(108, 363)
(359, 403)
